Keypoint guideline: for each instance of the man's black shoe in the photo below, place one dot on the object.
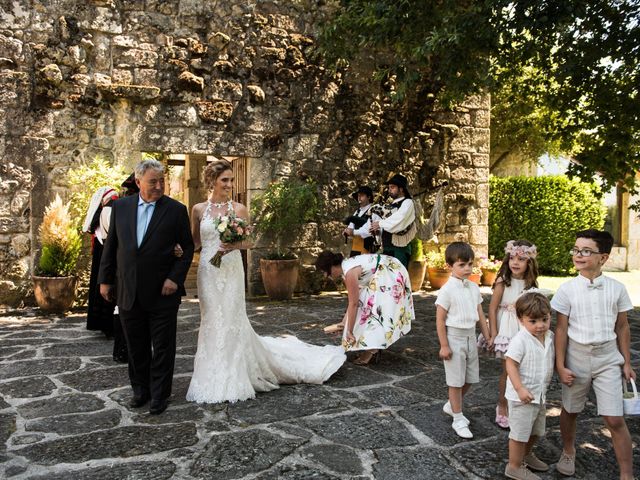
(138, 401)
(158, 406)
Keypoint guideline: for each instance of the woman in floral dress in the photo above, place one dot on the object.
(380, 308)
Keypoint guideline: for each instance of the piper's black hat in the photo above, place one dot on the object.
(130, 184)
(363, 189)
(400, 181)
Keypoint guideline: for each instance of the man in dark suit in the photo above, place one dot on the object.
(139, 259)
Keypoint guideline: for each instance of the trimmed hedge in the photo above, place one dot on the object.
(547, 211)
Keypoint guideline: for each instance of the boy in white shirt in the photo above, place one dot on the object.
(458, 310)
(529, 362)
(593, 348)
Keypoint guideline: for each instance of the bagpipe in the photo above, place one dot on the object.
(425, 228)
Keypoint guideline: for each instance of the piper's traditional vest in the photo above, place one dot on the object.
(403, 237)
(359, 218)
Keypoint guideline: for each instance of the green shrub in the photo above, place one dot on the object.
(547, 211)
(282, 209)
(417, 253)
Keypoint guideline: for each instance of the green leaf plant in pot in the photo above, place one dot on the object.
(280, 212)
(417, 265)
(437, 268)
(55, 282)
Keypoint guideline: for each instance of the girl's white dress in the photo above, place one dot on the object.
(385, 306)
(232, 362)
(507, 321)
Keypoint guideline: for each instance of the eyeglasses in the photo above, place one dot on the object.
(583, 253)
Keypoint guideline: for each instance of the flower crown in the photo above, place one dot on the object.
(520, 250)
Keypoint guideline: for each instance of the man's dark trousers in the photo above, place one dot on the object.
(403, 254)
(151, 338)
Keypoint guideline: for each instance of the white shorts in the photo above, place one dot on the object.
(526, 419)
(597, 365)
(463, 367)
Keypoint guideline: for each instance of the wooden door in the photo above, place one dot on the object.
(239, 194)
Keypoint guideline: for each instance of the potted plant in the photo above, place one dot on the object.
(280, 212)
(476, 275)
(489, 268)
(437, 268)
(54, 285)
(417, 265)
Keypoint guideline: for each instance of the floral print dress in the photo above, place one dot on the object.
(385, 307)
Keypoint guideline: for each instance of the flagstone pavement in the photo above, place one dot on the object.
(64, 413)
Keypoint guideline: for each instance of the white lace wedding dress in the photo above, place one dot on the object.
(232, 362)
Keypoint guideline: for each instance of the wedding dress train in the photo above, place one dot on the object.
(232, 362)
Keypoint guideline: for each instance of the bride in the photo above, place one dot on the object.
(232, 362)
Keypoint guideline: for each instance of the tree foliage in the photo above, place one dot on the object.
(564, 73)
(84, 180)
(522, 122)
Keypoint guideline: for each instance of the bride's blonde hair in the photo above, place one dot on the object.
(213, 170)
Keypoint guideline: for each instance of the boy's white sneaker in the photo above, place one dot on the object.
(461, 427)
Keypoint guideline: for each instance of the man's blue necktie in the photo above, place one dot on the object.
(143, 222)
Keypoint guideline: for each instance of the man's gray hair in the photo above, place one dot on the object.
(145, 165)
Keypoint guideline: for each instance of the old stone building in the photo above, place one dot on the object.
(192, 79)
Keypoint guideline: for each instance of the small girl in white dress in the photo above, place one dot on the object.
(518, 274)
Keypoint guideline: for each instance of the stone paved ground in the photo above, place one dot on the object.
(63, 412)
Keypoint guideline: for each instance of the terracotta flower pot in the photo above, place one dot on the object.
(417, 270)
(475, 278)
(438, 277)
(279, 277)
(54, 294)
(488, 276)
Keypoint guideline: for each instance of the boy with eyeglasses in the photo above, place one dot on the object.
(593, 348)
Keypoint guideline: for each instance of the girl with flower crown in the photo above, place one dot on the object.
(518, 274)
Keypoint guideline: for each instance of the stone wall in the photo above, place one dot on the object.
(512, 163)
(633, 234)
(117, 78)
(626, 256)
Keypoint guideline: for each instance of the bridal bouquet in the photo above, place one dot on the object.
(232, 229)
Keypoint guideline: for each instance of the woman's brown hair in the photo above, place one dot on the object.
(326, 260)
(213, 170)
